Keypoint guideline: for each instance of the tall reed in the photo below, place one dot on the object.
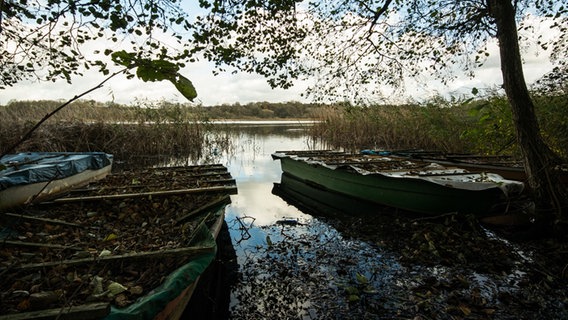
(482, 126)
(125, 132)
(390, 127)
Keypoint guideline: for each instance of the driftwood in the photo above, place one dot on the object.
(141, 186)
(45, 220)
(221, 200)
(227, 189)
(87, 311)
(187, 251)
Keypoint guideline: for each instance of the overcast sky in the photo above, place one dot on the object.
(244, 88)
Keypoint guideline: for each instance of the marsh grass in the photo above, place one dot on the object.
(127, 133)
(163, 129)
(124, 141)
(391, 127)
(483, 126)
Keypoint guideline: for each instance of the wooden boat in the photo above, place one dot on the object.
(318, 201)
(132, 246)
(409, 185)
(34, 177)
(503, 165)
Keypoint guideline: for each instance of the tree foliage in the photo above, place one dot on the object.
(352, 48)
(55, 39)
(355, 48)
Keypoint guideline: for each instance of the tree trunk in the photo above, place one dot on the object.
(539, 160)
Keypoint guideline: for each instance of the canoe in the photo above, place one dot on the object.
(416, 186)
(133, 231)
(37, 176)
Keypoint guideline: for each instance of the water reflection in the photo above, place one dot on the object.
(307, 259)
(292, 265)
(250, 163)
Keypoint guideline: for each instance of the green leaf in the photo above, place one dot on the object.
(352, 290)
(361, 278)
(185, 87)
(157, 70)
(123, 58)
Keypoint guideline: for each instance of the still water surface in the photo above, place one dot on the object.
(297, 263)
(293, 265)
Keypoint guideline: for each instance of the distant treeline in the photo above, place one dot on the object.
(93, 111)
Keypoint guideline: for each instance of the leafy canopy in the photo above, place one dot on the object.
(350, 47)
(58, 39)
(355, 47)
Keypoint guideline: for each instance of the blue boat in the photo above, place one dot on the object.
(38, 176)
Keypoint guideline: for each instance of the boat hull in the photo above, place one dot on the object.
(417, 195)
(41, 191)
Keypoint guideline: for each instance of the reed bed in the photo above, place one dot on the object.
(124, 141)
(165, 129)
(483, 126)
(127, 133)
(391, 127)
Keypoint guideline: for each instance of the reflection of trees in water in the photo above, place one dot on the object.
(304, 271)
(293, 130)
(242, 224)
(233, 138)
(222, 141)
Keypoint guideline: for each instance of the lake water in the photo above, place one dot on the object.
(297, 261)
(292, 265)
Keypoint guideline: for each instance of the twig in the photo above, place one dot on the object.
(245, 235)
(224, 189)
(177, 252)
(434, 217)
(44, 220)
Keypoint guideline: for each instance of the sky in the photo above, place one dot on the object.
(228, 88)
(243, 87)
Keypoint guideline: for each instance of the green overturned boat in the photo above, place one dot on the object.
(416, 186)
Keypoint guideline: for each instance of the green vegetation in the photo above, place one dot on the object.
(89, 111)
(262, 110)
(124, 131)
